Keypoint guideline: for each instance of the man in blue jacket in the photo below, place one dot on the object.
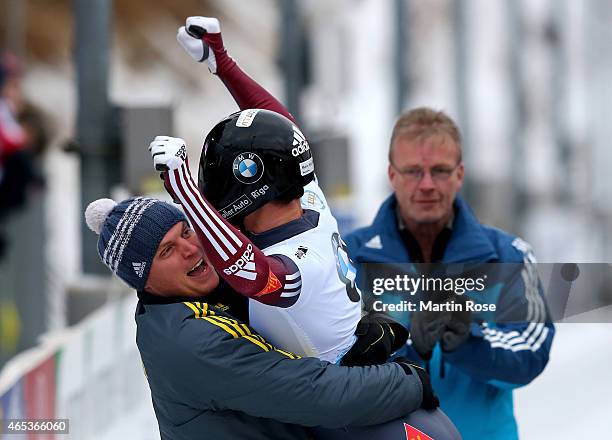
(474, 363)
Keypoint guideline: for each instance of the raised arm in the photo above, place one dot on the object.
(201, 38)
(270, 280)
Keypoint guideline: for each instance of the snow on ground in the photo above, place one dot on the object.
(572, 398)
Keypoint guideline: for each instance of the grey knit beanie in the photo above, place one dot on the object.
(130, 233)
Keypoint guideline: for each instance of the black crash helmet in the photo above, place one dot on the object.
(251, 158)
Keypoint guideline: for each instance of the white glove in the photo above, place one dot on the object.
(191, 38)
(168, 153)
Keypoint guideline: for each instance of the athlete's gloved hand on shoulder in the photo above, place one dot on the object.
(430, 400)
(201, 39)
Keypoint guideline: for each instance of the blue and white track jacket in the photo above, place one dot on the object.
(475, 382)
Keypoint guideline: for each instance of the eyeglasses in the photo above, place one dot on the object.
(416, 174)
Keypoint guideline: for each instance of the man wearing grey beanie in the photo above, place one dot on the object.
(211, 375)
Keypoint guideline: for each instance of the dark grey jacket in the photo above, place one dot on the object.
(212, 376)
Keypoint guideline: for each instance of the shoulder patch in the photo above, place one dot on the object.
(311, 200)
(272, 285)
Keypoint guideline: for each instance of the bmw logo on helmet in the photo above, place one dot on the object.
(248, 168)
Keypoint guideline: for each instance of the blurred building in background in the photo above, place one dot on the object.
(527, 80)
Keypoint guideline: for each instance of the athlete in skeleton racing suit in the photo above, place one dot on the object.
(297, 275)
(257, 174)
